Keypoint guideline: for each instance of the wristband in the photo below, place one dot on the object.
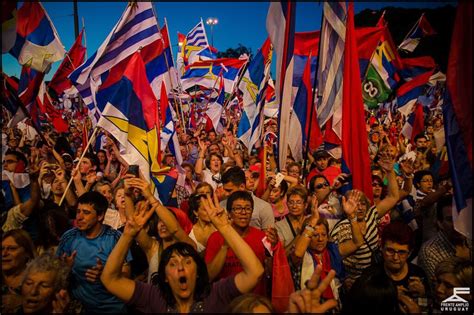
(309, 228)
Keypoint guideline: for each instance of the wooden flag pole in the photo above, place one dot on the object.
(169, 74)
(78, 164)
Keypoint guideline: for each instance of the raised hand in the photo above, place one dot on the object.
(139, 183)
(93, 274)
(217, 214)
(91, 177)
(308, 300)
(76, 175)
(202, 145)
(386, 162)
(272, 235)
(61, 302)
(340, 180)
(140, 217)
(407, 167)
(349, 205)
(69, 259)
(314, 211)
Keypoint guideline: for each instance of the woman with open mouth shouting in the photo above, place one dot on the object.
(183, 284)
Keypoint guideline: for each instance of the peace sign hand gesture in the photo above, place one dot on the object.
(216, 213)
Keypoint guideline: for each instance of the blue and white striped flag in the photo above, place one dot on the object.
(136, 28)
(281, 29)
(197, 36)
(331, 65)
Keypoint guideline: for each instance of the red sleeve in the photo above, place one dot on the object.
(214, 244)
(183, 219)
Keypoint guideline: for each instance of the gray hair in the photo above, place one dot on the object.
(50, 263)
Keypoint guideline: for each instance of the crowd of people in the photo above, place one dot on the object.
(107, 244)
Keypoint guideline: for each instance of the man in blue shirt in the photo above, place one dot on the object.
(86, 248)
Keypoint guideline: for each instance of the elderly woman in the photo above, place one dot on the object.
(43, 289)
(314, 248)
(289, 229)
(17, 250)
(368, 218)
(183, 284)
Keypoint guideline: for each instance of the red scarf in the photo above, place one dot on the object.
(326, 264)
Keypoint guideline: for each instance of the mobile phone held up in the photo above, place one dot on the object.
(133, 169)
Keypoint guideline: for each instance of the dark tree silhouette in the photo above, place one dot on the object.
(235, 52)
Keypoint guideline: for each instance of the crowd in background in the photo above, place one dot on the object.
(106, 243)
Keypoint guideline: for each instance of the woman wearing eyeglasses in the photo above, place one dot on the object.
(289, 228)
(368, 218)
(314, 247)
(409, 279)
(426, 198)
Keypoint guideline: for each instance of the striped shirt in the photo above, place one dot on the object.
(434, 251)
(360, 259)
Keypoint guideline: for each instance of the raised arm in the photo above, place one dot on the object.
(303, 241)
(199, 162)
(386, 162)
(247, 279)
(164, 213)
(112, 276)
(349, 205)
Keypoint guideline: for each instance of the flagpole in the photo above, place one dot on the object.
(27, 114)
(167, 64)
(180, 88)
(241, 75)
(409, 32)
(315, 82)
(78, 164)
(85, 39)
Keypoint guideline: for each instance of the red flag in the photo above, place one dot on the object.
(355, 151)
(262, 179)
(73, 59)
(459, 73)
(381, 22)
(418, 123)
(329, 134)
(163, 102)
(426, 26)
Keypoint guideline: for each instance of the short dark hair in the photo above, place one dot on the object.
(202, 287)
(98, 202)
(419, 175)
(373, 288)
(208, 159)
(238, 195)
(234, 175)
(93, 158)
(313, 180)
(398, 232)
(418, 136)
(19, 156)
